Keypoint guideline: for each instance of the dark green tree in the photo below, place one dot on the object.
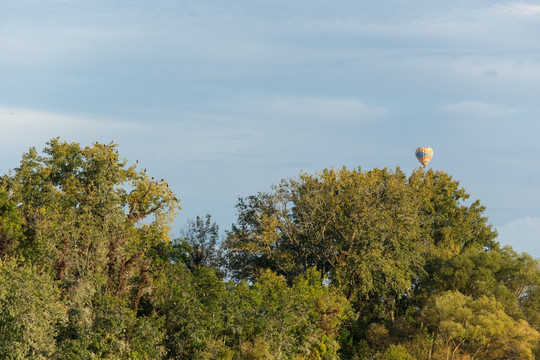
(199, 241)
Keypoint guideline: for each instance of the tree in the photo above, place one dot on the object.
(92, 223)
(10, 224)
(30, 312)
(477, 327)
(196, 306)
(86, 215)
(375, 234)
(357, 228)
(199, 241)
(109, 329)
(343, 263)
(449, 228)
(207, 318)
(380, 237)
(449, 225)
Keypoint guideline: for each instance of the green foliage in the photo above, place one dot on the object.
(30, 312)
(377, 235)
(208, 318)
(342, 264)
(359, 228)
(81, 222)
(449, 225)
(478, 327)
(10, 224)
(111, 330)
(199, 242)
(389, 243)
(303, 319)
(91, 222)
(195, 308)
(395, 352)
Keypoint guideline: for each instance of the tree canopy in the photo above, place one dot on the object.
(339, 264)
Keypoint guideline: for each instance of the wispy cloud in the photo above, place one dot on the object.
(477, 108)
(17, 121)
(193, 137)
(476, 27)
(519, 8)
(23, 128)
(188, 40)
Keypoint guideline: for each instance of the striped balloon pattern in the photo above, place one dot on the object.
(424, 155)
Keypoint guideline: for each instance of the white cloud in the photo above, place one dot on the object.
(24, 128)
(522, 234)
(477, 108)
(193, 137)
(474, 28)
(519, 8)
(16, 121)
(243, 41)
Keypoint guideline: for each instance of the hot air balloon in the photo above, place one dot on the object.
(424, 155)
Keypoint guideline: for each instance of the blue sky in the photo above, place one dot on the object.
(224, 99)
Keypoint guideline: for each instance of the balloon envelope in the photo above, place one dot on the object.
(424, 154)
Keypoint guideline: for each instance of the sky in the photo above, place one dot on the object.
(225, 98)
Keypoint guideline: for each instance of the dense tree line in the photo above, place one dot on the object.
(341, 264)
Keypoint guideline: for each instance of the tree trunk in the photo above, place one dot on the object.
(430, 353)
(455, 349)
